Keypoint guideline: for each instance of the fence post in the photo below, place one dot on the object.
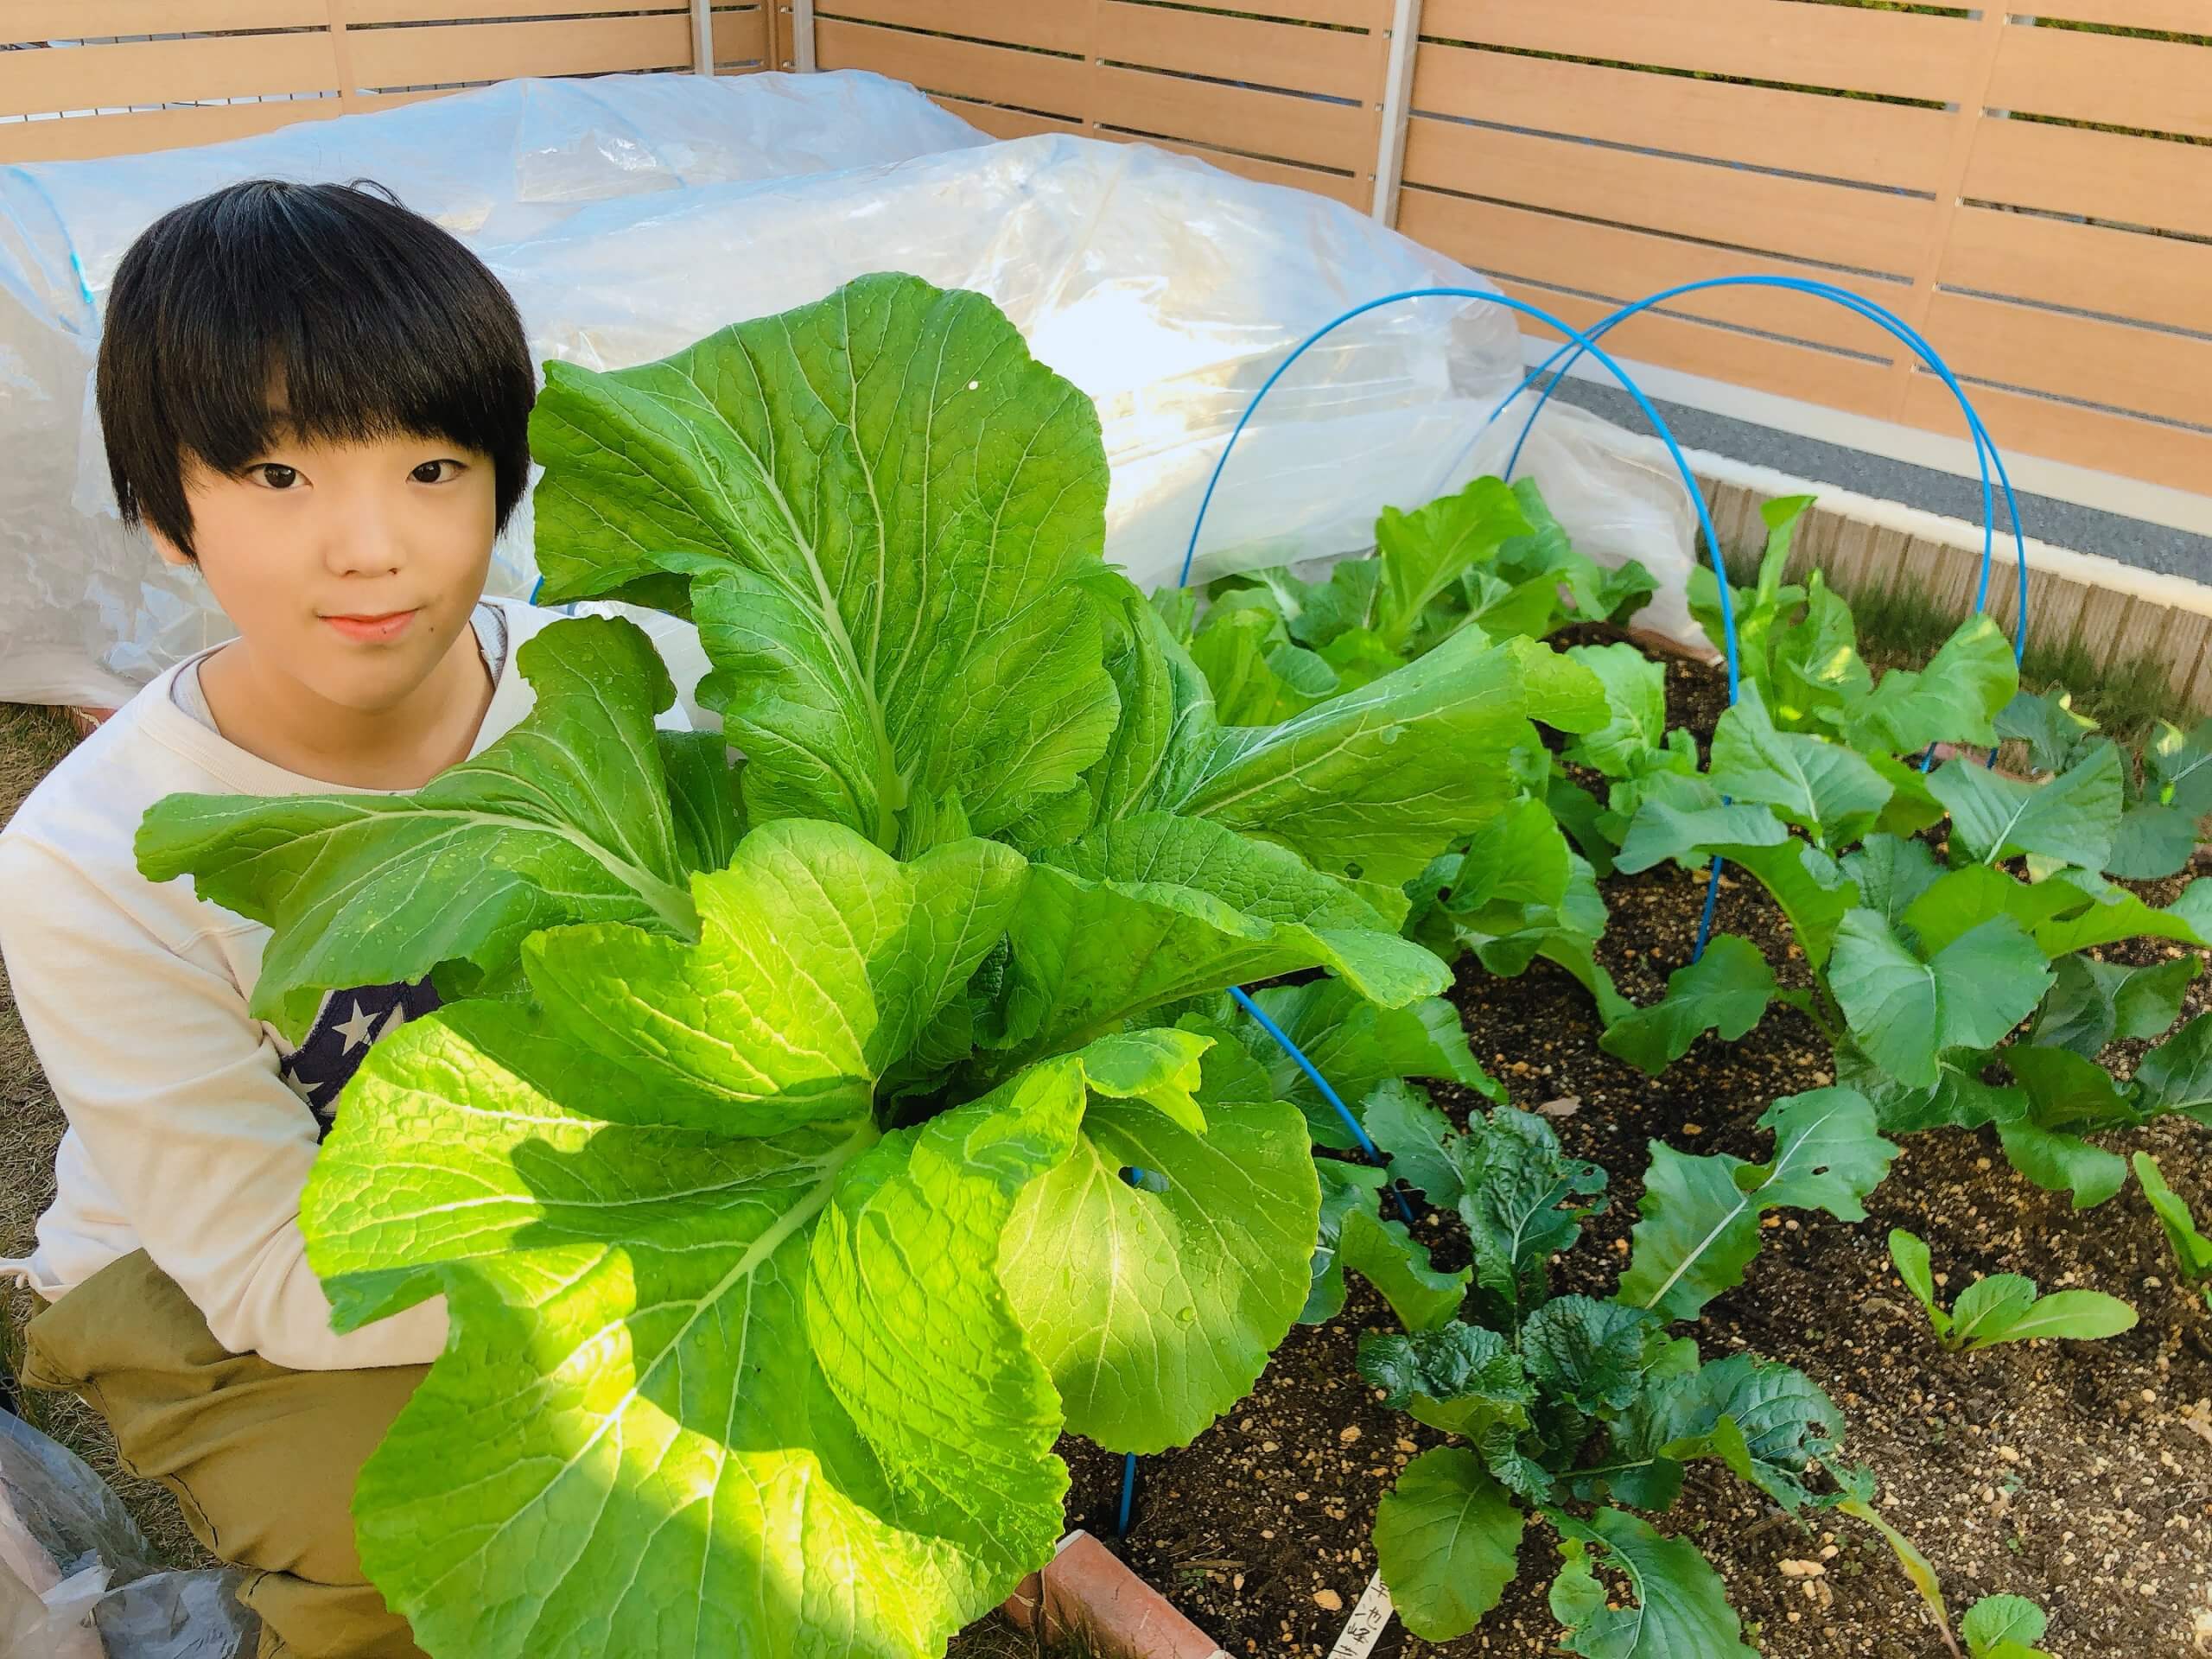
(342, 58)
(1397, 108)
(801, 14)
(702, 37)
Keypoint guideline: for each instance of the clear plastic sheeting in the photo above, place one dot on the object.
(79, 1580)
(1166, 290)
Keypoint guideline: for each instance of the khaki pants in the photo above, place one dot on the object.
(262, 1460)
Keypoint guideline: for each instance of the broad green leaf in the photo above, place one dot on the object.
(2073, 1315)
(1820, 785)
(1513, 861)
(564, 819)
(1904, 1011)
(1958, 1099)
(1912, 807)
(1425, 551)
(1447, 1539)
(2176, 1075)
(1156, 908)
(651, 1322)
(1258, 678)
(2152, 842)
(2115, 913)
(2066, 1091)
(1909, 1254)
(1816, 666)
(1956, 699)
(1586, 1352)
(1345, 1188)
(1375, 781)
(1890, 873)
(1961, 900)
(712, 1030)
(2059, 1160)
(1167, 723)
(2005, 1307)
(1809, 886)
(1458, 1377)
(2072, 817)
(2149, 1000)
(1699, 1225)
(1767, 1421)
(1155, 1307)
(2178, 768)
(1522, 1201)
(2192, 1249)
(1725, 990)
(1389, 1258)
(1319, 612)
(2079, 1012)
(2003, 1627)
(1676, 1606)
(1986, 1308)
(1417, 1138)
(1355, 1044)
(1685, 819)
(705, 807)
(882, 503)
(1636, 701)
(2049, 724)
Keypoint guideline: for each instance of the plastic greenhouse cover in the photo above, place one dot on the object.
(632, 214)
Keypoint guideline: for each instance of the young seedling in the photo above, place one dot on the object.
(2005, 1307)
(1554, 1400)
(2192, 1250)
(2004, 1627)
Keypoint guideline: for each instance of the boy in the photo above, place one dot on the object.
(318, 401)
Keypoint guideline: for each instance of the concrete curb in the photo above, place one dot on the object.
(1086, 1587)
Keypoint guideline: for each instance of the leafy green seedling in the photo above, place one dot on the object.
(2004, 1627)
(1575, 1398)
(2192, 1250)
(2005, 1307)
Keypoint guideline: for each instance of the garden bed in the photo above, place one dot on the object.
(2077, 1474)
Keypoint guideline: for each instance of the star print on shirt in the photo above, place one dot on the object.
(348, 1024)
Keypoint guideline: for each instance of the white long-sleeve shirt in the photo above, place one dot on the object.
(192, 1124)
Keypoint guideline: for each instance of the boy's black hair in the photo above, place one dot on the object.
(366, 319)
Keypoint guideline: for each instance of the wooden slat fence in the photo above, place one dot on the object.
(1289, 91)
(2033, 192)
(84, 78)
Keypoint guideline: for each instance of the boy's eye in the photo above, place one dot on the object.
(434, 472)
(277, 477)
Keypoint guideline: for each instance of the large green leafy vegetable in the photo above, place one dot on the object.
(804, 1146)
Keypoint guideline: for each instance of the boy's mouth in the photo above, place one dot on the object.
(373, 629)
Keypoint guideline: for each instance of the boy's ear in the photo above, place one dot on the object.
(170, 552)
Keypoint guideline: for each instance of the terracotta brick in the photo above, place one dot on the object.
(1086, 1586)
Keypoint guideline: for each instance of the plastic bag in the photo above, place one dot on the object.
(1166, 290)
(79, 1580)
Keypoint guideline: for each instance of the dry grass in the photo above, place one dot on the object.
(31, 741)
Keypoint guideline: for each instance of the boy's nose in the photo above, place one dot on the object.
(361, 543)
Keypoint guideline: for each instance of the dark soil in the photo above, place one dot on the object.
(2079, 1475)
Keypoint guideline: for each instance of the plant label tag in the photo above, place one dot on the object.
(1364, 1628)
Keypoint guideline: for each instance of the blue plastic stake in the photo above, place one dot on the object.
(1129, 1489)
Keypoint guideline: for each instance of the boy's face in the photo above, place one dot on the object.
(351, 567)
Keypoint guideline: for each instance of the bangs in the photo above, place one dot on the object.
(327, 313)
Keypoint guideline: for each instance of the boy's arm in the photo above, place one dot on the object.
(175, 1092)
